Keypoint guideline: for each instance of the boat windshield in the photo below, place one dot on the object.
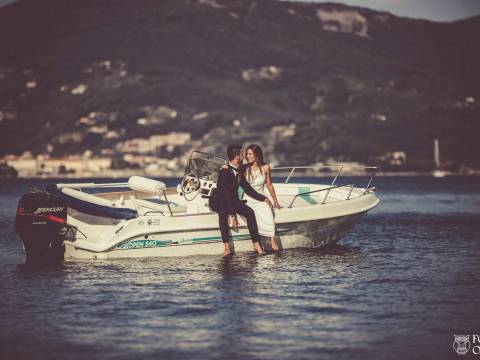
(205, 166)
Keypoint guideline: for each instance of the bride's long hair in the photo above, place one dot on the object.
(257, 151)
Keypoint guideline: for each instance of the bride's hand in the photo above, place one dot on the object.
(224, 167)
(277, 205)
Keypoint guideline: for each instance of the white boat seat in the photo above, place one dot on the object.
(150, 186)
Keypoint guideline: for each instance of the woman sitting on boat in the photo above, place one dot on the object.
(258, 174)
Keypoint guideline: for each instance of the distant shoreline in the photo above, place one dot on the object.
(124, 175)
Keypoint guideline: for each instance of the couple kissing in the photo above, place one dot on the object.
(255, 207)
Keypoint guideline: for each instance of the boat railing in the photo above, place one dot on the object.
(91, 185)
(81, 186)
(351, 186)
(339, 170)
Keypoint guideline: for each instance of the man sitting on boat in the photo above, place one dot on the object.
(227, 203)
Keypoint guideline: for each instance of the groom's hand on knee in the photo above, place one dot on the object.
(269, 203)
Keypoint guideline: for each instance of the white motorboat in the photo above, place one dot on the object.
(144, 218)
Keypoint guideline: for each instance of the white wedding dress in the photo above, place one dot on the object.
(263, 213)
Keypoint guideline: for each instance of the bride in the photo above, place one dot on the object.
(258, 174)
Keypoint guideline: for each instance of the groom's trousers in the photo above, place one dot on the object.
(245, 211)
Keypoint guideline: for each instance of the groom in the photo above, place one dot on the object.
(227, 203)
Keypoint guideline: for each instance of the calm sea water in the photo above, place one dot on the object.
(397, 287)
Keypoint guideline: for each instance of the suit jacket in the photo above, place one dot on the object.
(225, 196)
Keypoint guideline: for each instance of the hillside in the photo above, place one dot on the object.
(309, 82)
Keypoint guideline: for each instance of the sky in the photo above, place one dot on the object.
(435, 10)
(5, 2)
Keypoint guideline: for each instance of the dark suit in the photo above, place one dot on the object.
(227, 202)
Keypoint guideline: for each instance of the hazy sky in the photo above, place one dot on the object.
(437, 10)
(5, 2)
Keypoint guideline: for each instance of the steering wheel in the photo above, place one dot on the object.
(190, 183)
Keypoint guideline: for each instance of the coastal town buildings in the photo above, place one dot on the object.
(158, 155)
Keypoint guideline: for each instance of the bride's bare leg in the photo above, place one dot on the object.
(274, 244)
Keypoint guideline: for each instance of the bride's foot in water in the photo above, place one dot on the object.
(273, 244)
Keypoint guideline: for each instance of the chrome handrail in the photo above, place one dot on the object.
(91, 185)
(367, 188)
(333, 183)
(168, 202)
(292, 169)
(320, 190)
(341, 167)
(350, 192)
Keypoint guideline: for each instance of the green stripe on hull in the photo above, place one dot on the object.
(306, 197)
(142, 244)
(151, 243)
(147, 243)
(235, 237)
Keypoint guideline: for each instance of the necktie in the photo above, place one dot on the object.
(235, 172)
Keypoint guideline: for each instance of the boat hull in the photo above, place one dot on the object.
(304, 234)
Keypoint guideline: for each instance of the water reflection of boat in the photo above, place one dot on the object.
(144, 218)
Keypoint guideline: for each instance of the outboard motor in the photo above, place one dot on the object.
(41, 223)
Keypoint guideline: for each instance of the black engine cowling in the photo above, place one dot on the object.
(41, 223)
